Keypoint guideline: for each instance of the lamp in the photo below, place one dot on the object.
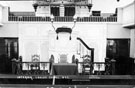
(52, 18)
(35, 6)
(63, 29)
(89, 6)
(74, 19)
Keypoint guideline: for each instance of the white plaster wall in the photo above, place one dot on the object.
(62, 46)
(94, 34)
(129, 14)
(115, 30)
(5, 12)
(82, 11)
(0, 14)
(120, 15)
(43, 11)
(9, 30)
(33, 35)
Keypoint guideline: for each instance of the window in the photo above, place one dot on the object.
(55, 11)
(69, 11)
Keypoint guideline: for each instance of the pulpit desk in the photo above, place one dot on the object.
(64, 69)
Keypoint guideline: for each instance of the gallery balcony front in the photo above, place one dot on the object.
(61, 19)
(76, 68)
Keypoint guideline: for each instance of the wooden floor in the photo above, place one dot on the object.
(67, 81)
(67, 76)
(64, 86)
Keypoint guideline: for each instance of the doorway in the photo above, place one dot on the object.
(8, 51)
(118, 49)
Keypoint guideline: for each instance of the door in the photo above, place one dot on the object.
(119, 50)
(8, 51)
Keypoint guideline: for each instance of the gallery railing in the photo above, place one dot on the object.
(29, 68)
(43, 68)
(55, 2)
(97, 68)
(62, 19)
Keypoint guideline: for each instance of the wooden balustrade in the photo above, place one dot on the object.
(34, 68)
(95, 68)
(62, 19)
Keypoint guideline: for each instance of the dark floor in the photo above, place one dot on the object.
(64, 86)
(8, 79)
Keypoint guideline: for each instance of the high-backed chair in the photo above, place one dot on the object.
(35, 65)
(86, 65)
(51, 60)
(63, 58)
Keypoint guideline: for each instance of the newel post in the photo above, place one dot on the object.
(113, 66)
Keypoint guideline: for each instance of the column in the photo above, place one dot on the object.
(62, 10)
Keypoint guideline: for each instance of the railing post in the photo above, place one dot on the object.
(19, 68)
(113, 66)
(13, 67)
(91, 68)
(92, 55)
(134, 67)
(77, 62)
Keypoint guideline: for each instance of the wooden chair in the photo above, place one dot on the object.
(35, 65)
(63, 58)
(86, 66)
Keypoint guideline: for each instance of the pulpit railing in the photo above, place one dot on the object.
(87, 68)
(32, 68)
(97, 68)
